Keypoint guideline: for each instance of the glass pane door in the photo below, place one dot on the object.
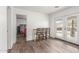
(59, 28)
(71, 28)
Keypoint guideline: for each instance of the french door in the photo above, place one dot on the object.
(66, 28)
(59, 22)
(72, 28)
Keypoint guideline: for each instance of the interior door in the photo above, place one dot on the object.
(59, 27)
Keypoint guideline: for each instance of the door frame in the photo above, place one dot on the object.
(16, 23)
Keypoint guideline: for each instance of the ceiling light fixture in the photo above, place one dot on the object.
(56, 7)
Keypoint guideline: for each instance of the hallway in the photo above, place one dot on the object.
(44, 46)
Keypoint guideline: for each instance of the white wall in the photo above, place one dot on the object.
(65, 12)
(34, 20)
(51, 25)
(3, 29)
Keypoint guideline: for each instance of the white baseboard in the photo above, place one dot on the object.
(3, 51)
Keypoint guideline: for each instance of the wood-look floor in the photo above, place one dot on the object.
(43, 46)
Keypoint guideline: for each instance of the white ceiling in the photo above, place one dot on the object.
(43, 9)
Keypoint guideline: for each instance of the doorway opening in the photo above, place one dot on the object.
(21, 27)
